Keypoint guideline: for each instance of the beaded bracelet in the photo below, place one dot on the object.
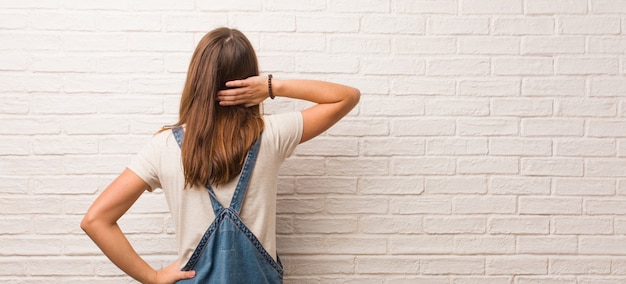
(269, 86)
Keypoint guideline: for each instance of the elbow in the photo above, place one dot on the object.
(88, 223)
(354, 96)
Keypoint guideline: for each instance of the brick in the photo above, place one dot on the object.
(523, 66)
(605, 167)
(607, 87)
(606, 128)
(365, 127)
(96, 5)
(460, 66)
(162, 5)
(484, 205)
(14, 104)
(489, 45)
(62, 21)
(423, 45)
(550, 205)
(70, 185)
(421, 244)
(325, 225)
(546, 280)
(519, 265)
(311, 185)
(503, 87)
(14, 61)
(553, 87)
(620, 228)
(523, 26)
(13, 21)
(602, 245)
(160, 42)
(391, 185)
(32, 83)
(313, 265)
(586, 107)
(552, 127)
(366, 205)
(65, 145)
(481, 280)
(577, 265)
(326, 64)
(303, 166)
(15, 226)
(586, 147)
(94, 41)
(547, 245)
(484, 245)
(415, 86)
(397, 65)
(15, 185)
(300, 206)
(327, 24)
(423, 127)
(520, 185)
(357, 166)
(333, 146)
(605, 207)
(488, 127)
(457, 107)
(586, 66)
(454, 225)
(455, 265)
(387, 265)
(393, 147)
(458, 26)
(519, 225)
(391, 225)
(171, 84)
(582, 225)
(456, 185)
(556, 7)
(456, 146)
(549, 45)
(491, 7)
(552, 167)
(607, 6)
(95, 84)
(130, 64)
(587, 187)
(263, 22)
(588, 25)
(420, 205)
(286, 5)
(357, 6)
(607, 45)
(50, 104)
(426, 6)
(236, 5)
(15, 146)
(293, 42)
(31, 246)
(422, 166)
(520, 147)
(491, 165)
(31, 165)
(396, 24)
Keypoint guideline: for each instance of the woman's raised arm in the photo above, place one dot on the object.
(333, 101)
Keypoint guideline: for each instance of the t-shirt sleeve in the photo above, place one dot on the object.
(286, 131)
(145, 163)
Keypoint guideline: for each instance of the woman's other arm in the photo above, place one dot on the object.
(333, 101)
(100, 224)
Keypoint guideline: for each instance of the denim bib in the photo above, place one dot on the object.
(228, 251)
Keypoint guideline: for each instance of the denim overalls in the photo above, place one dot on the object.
(229, 252)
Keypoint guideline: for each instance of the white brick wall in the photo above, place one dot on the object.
(489, 145)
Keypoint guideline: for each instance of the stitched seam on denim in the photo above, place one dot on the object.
(191, 263)
(255, 242)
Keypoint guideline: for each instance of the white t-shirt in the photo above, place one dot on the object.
(159, 165)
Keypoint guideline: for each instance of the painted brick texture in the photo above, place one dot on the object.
(489, 145)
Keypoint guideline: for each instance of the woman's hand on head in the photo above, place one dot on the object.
(248, 92)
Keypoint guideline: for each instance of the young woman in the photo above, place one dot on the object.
(221, 123)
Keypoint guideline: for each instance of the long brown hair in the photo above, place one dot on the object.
(217, 138)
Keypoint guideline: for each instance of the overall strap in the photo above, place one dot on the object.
(244, 178)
